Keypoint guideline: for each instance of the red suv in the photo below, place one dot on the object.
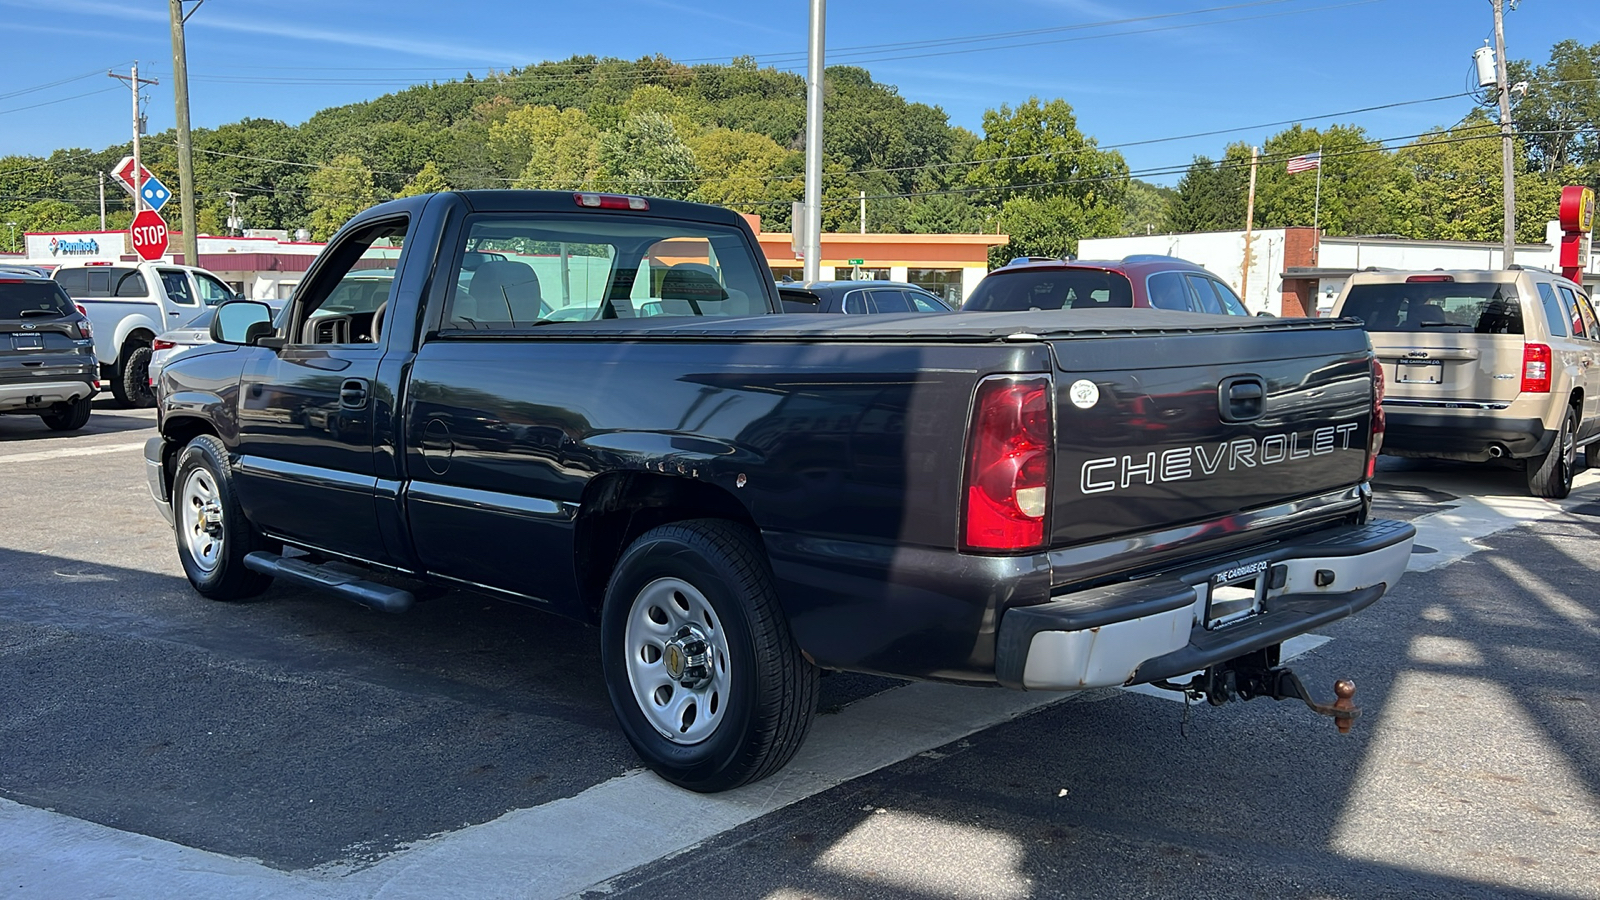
(1161, 282)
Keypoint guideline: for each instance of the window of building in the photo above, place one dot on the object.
(942, 283)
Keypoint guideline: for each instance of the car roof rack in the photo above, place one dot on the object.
(1153, 257)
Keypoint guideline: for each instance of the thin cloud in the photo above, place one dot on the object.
(730, 20)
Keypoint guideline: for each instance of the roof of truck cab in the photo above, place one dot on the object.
(563, 201)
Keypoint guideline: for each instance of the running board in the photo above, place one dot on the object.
(346, 584)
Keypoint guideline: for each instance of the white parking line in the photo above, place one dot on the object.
(42, 455)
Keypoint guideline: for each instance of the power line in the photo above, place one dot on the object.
(41, 87)
(58, 100)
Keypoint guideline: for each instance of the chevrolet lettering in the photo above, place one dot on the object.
(594, 404)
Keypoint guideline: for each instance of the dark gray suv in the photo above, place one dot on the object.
(47, 364)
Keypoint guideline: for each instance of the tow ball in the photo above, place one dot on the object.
(1259, 674)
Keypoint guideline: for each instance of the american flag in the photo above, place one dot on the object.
(1305, 163)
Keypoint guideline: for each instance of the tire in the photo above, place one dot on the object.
(75, 416)
(744, 697)
(1550, 475)
(130, 384)
(213, 535)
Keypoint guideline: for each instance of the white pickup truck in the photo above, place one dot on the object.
(129, 304)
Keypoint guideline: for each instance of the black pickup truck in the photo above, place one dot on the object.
(592, 404)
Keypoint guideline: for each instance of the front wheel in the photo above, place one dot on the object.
(707, 682)
(213, 535)
(1550, 475)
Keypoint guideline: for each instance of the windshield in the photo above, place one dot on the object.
(1051, 289)
(527, 269)
(1447, 306)
(21, 298)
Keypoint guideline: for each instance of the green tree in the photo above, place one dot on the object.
(339, 189)
(426, 181)
(741, 170)
(1211, 195)
(646, 156)
(1145, 206)
(1560, 108)
(1361, 183)
(1455, 184)
(546, 147)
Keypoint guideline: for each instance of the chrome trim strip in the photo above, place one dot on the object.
(1142, 552)
(492, 590)
(490, 501)
(1443, 404)
(316, 476)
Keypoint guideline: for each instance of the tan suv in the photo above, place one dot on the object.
(1484, 365)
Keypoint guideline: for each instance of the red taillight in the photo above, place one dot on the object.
(159, 344)
(1535, 368)
(85, 329)
(1375, 433)
(1429, 278)
(610, 201)
(1008, 465)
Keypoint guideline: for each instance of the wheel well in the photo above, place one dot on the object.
(178, 432)
(620, 506)
(1576, 401)
(138, 337)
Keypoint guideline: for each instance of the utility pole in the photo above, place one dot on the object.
(1507, 148)
(233, 214)
(863, 212)
(1249, 228)
(180, 94)
(138, 128)
(813, 192)
(102, 200)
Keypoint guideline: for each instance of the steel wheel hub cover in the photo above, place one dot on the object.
(677, 660)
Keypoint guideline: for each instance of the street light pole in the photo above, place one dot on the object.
(1508, 173)
(13, 243)
(813, 192)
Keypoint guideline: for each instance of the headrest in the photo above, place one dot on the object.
(684, 283)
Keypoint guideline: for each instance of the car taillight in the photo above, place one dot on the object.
(85, 329)
(1009, 458)
(1535, 368)
(159, 344)
(1375, 433)
(610, 201)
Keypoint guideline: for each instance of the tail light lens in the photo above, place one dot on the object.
(1375, 433)
(1535, 369)
(85, 329)
(1009, 458)
(159, 344)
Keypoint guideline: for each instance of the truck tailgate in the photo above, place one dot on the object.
(1194, 428)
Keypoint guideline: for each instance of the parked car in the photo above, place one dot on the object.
(1142, 281)
(11, 269)
(857, 298)
(47, 364)
(739, 499)
(131, 303)
(1485, 365)
(167, 344)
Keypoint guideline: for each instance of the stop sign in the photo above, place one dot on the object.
(149, 234)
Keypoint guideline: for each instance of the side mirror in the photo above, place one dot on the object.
(241, 322)
(1265, 315)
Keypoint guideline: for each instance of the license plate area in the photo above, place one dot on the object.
(1420, 371)
(27, 342)
(1235, 594)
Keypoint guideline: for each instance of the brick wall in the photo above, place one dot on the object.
(1300, 249)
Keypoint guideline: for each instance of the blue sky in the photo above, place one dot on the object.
(1139, 81)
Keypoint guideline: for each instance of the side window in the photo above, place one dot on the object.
(346, 301)
(1554, 314)
(1589, 323)
(1167, 291)
(74, 281)
(1203, 293)
(799, 301)
(126, 283)
(1230, 300)
(891, 302)
(98, 284)
(1579, 321)
(926, 302)
(211, 290)
(176, 285)
(855, 304)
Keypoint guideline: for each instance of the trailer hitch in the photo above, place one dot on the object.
(1259, 674)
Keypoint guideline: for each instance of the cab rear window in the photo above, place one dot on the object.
(1051, 289)
(1436, 306)
(29, 299)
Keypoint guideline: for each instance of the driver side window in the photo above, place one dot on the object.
(348, 300)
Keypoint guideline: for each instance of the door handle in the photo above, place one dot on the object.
(173, 313)
(353, 393)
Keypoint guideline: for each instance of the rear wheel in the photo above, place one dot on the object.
(73, 415)
(1550, 475)
(131, 382)
(213, 535)
(705, 677)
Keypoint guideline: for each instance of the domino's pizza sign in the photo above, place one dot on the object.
(69, 247)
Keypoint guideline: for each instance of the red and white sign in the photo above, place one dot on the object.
(149, 235)
(123, 172)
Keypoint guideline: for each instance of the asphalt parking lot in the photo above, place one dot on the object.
(153, 742)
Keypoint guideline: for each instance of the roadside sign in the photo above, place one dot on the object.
(857, 262)
(149, 234)
(155, 193)
(123, 173)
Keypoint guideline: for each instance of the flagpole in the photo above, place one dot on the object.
(1316, 210)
